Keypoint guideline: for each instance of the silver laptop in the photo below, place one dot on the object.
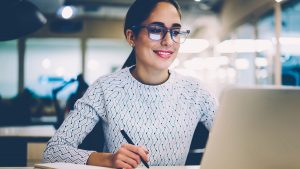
(257, 128)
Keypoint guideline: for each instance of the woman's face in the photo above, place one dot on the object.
(158, 54)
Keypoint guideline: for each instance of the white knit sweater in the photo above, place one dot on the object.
(162, 117)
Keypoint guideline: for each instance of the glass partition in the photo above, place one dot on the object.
(50, 63)
(104, 56)
(8, 69)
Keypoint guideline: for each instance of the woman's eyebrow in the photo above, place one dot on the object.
(157, 23)
(176, 25)
(162, 24)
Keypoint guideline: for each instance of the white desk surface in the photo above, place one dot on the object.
(28, 131)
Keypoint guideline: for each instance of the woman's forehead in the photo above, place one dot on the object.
(164, 13)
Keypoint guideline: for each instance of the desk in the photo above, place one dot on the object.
(13, 142)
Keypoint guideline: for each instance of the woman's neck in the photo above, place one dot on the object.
(150, 77)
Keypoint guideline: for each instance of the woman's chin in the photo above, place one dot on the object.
(163, 66)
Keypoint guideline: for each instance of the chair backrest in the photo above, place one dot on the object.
(94, 140)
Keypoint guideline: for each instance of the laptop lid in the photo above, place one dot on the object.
(255, 128)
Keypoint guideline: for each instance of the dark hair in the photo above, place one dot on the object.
(138, 12)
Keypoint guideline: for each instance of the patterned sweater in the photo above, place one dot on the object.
(161, 117)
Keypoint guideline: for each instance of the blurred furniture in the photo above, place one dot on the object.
(198, 145)
(290, 78)
(94, 140)
(14, 140)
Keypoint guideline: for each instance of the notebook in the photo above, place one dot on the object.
(79, 166)
(65, 166)
(255, 128)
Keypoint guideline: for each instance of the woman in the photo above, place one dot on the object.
(158, 108)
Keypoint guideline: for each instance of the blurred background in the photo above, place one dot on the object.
(45, 70)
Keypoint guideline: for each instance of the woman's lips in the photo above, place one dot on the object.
(163, 53)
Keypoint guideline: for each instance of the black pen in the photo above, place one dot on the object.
(131, 142)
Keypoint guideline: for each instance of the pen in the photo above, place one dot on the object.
(131, 142)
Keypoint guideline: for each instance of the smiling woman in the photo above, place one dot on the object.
(155, 55)
(158, 108)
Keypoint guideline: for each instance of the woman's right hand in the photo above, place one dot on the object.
(129, 156)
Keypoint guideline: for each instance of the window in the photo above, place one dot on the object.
(243, 60)
(290, 43)
(104, 56)
(49, 63)
(8, 69)
(265, 61)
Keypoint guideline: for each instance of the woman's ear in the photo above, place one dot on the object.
(130, 37)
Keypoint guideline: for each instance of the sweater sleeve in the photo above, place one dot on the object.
(63, 146)
(208, 108)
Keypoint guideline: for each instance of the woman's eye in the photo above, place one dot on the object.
(155, 30)
(175, 31)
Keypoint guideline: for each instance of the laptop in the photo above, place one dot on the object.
(255, 128)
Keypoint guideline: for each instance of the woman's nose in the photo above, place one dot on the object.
(167, 39)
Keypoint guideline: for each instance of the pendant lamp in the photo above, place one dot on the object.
(19, 18)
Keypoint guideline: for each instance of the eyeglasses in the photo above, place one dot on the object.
(158, 32)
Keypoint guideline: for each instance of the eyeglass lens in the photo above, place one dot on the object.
(157, 32)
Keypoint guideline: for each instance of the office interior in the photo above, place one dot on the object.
(232, 43)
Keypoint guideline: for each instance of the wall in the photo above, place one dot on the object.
(92, 28)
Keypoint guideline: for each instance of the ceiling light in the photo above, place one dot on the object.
(67, 12)
(289, 45)
(60, 71)
(244, 46)
(261, 62)
(289, 41)
(242, 64)
(46, 63)
(93, 65)
(194, 46)
(208, 63)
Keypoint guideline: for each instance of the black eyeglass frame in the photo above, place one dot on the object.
(165, 31)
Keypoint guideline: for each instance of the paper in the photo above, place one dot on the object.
(66, 166)
(79, 166)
